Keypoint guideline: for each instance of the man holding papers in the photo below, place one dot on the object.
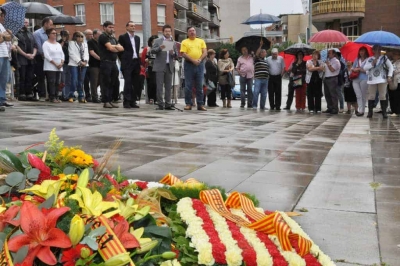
(165, 50)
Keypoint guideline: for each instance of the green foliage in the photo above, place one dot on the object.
(233, 53)
(54, 145)
(281, 47)
(253, 198)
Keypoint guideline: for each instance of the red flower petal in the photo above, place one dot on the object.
(33, 220)
(126, 238)
(16, 242)
(54, 214)
(28, 260)
(37, 163)
(47, 256)
(56, 238)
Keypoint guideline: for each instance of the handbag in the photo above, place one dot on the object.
(210, 87)
(231, 80)
(297, 81)
(354, 75)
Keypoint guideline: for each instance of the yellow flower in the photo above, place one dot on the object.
(45, 190)
(93, 204)
(76, 230)
(127, 209)
(119, 260)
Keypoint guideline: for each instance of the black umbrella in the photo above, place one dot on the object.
(38, 10)
(66, 20)
(299, 47)
(261, 19)
(252, 43)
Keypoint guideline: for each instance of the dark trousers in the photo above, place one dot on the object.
(226, 92)
(108, 80)
(86, 85)
(394, 100)
(314, 95)
(331, 93)
(289, 100)
(212, 98)
(151, 84)
(25, 80)
(94, 74)
(41, 87)
(132, 82)
(53, 80)
(275, 91)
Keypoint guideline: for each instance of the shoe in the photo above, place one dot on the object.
(318, 112)
(88, 99)
(311, 112)
(348, 112)
(278, 109)
(169, 108)
(384, 105)
(286, 108)
(160, 107)
(116, 101)
(54, 101)
(224, 103)
(229, 104)
(394, 115)
(201, 108)
(31, 98)
(370, 108)
(359, 114)
(134, 105)
(6, 104)
(42, 99)
(114, 105)
(107, 105)
(341, 110)
(334, 113)
(127, 106)
(272, 108)
(327, 111)
(96, 101)
(151, 101)
(22, 98)
(83, 101)
(2, 109)
(187, 108)
(242, 106)
(71, 100)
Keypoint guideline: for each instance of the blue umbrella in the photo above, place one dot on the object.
(383, 38)
(324, 54)
(15, 16)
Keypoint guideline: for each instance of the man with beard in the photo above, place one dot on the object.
(108, 48)
(40, 37)
(26, 57)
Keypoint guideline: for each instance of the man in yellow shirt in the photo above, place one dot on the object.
(194, 51)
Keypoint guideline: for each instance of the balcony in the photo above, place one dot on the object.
(213, 3)
(214, 21)
(180, 25)
(198, 13)
(181, 4)
(329, 10)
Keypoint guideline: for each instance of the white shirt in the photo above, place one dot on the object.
(170, 39)
(52, 52)
(335, 63)
(132, 37)
(276, 66)
(4, 51)
(377, 74)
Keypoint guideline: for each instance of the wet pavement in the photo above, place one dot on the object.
(316, 163)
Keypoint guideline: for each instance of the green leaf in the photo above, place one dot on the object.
(47, 204)
(22, 184)
(154, 230)
(33, 174)
(69, 170)
(4, 189)
(10, 159)
(14, 178)
(21, 254)
(91, 173)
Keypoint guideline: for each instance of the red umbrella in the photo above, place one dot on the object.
(329, 36)
(350, 50)
(289, 59)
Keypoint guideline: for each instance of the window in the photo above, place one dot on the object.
(136, 13)
(106, 12)
(350, 28)
(80, 12)
(59, 8)
(161, 15)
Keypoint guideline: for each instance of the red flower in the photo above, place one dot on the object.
(39, 234)
(72, 255)
(121, 230)
(37, 163)
(95, 164)
(141, 184)
(8, 216)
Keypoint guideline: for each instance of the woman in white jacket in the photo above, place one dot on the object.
(78, 63)
(380, 72)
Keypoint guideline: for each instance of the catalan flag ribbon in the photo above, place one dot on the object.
(268, 224)
(5, 257)
(171, 180)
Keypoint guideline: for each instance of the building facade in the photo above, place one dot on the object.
(233, 13)
(294, 27)
(94, 12)
(203, 15)
(355, 17)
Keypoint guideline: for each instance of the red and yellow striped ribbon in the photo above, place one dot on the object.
(268, 224)
(171, 180)
(109, 244)
(5, 257)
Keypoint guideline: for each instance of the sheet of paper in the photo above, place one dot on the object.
(168, 45)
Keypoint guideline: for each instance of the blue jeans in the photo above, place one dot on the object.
(194, 75)
(77, 78)
(66, 79)
(260, 86)
(4, 76)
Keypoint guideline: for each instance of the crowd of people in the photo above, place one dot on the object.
(60, 68)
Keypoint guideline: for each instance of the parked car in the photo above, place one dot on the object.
(236, 89)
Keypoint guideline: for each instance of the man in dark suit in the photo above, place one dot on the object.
(130, 65)
(164, 66)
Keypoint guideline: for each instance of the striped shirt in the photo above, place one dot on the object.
(261, 68)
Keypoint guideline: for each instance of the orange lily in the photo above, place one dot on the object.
(40, 234)
(8, 216)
